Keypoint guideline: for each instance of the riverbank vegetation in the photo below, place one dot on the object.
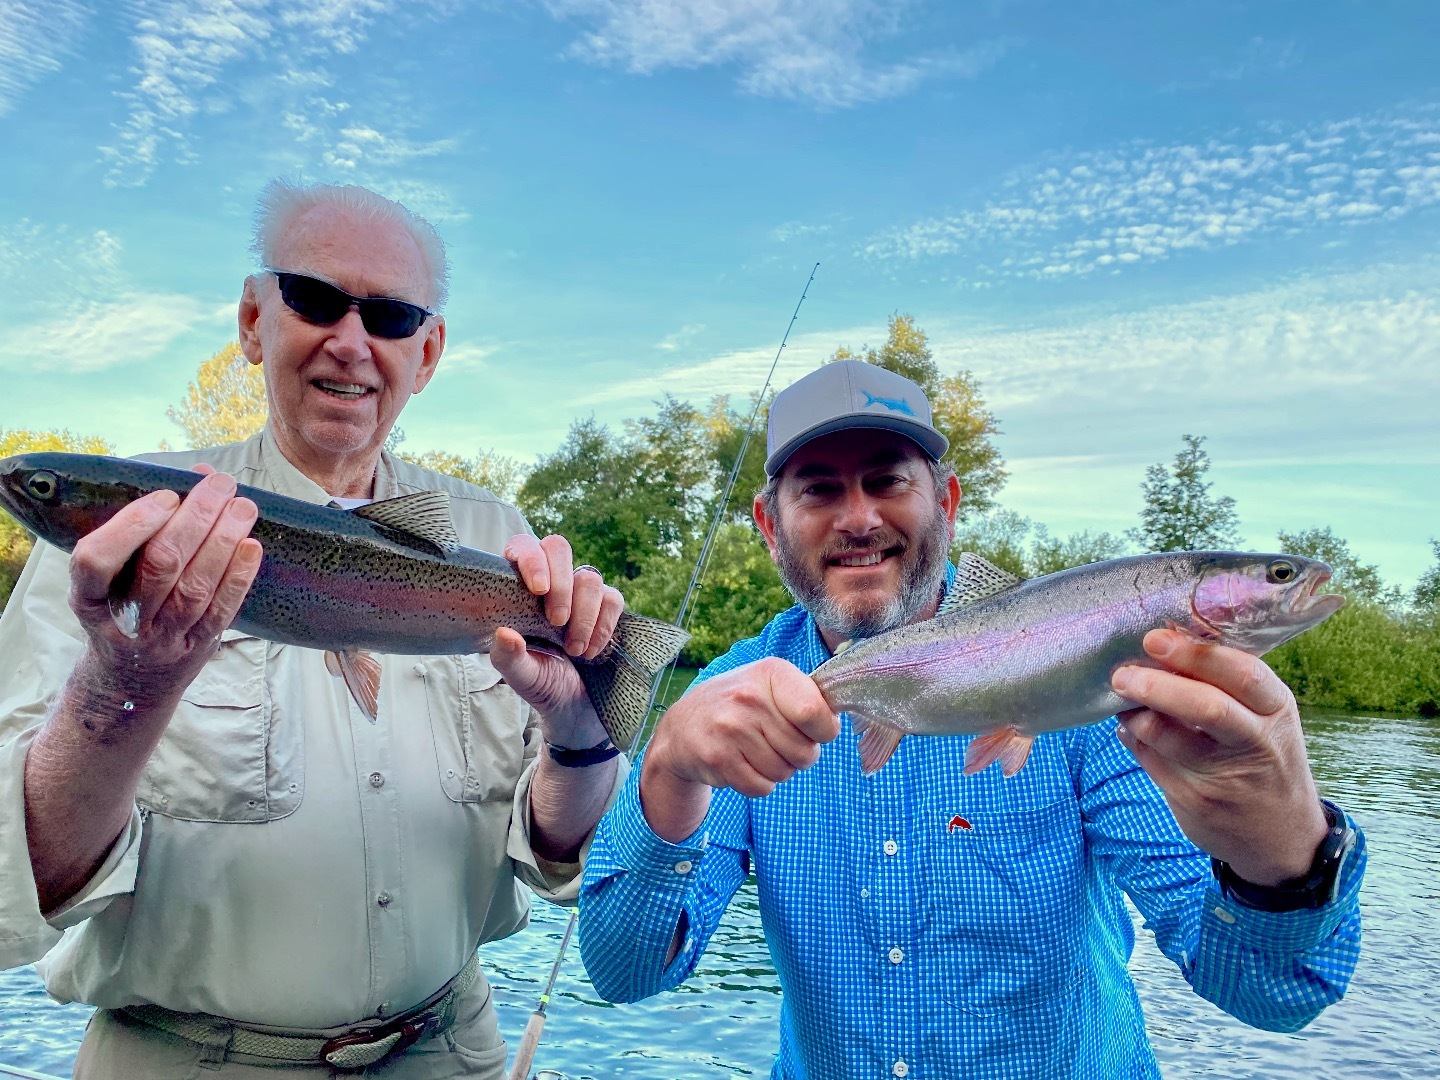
(638, 503)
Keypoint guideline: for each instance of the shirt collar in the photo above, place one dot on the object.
(283, 478)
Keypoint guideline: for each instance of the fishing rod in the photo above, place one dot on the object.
(530, 1041)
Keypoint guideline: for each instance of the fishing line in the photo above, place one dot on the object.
(707, 549)
(530, 1041)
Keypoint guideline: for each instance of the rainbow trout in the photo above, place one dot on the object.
(1007, 659)
(389, 577)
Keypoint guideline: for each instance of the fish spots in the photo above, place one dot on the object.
(958, 822)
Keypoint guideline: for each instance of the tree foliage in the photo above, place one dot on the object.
(1427, 591)
(957, 409)
(1179, 513)
(226, 402)
(15, 540)
(1015, 543)
(1349, 575)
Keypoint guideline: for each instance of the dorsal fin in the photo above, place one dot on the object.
(976, 579)
(421, 520)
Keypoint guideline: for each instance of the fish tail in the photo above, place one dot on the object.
(621, 682)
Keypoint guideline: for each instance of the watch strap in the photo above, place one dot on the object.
(582, 758)
(1313, 889)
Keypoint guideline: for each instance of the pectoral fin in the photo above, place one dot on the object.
(361, 673)
(1006, 746)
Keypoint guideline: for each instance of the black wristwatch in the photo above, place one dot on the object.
(583, 758)
(1314, 889)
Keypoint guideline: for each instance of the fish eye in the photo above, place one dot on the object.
(1282, 572)
(43, 485)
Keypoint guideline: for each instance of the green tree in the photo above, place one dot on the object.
(1427, 591)
(611, 498)
(1349, 575)
(15, 540)
(226, 402)
(1024, 547)
(1179, 513)
(956, 406)
(1050, 555)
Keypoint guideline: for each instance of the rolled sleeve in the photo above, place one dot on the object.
(27, 933)
(1279, 970)
(557, 882)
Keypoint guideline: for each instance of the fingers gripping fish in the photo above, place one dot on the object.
(388, 577)
(1007, 660)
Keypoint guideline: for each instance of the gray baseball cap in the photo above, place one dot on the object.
(848, 394)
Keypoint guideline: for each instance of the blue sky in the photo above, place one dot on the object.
(1129, 221)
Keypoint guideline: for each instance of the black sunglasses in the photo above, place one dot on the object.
(323, 304)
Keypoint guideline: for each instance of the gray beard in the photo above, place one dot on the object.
(920, 584)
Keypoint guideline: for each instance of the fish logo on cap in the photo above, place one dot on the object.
(899, 405)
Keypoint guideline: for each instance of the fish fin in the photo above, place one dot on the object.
(878, 741)
(126, 614)
(361, 673)
(621, 680)
(423, 516)
(1006, 746)
(976, 579)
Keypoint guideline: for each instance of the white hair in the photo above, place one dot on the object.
(282, 201)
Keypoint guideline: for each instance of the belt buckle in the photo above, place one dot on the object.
(410, 1031)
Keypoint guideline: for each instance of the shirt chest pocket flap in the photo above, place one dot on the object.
(232, 751)
(478, 724)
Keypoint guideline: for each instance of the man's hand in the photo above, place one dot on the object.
(1220, 734)
(588, 608)
(748, 729)
(195, 564)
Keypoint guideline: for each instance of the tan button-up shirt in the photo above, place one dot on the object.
(289, 862)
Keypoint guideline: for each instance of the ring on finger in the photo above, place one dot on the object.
(593, 569)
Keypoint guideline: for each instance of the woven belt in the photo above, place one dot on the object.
(353, 1049)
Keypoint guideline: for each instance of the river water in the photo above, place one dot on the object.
(722, 1023)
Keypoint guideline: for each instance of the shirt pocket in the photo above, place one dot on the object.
(478, 724)
(232, 752)
(1004, 902)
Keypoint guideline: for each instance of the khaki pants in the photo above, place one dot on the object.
(119, 1048)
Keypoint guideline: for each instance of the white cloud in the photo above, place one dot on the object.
(195, 56)
(467, 356)
(680, 338)
(34, 37)
(801, 50)
(1104, 210)
(97, 335)
(37, 262)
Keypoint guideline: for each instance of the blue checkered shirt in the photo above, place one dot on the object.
(930, 925)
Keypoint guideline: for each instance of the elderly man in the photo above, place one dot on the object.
(906, 946)
(250, 872)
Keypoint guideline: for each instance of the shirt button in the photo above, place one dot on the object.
(891, 847)
(895, 955)
(376, 780)
(383, 899)
(900, 1069)
(864, 894)
(419, 670)
(1224, 916)
(684, 866)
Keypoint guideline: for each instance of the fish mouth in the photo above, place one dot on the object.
(1310, 600)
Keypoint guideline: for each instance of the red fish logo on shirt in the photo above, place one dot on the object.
(958, 822)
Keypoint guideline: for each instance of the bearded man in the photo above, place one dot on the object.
(906, 946)
(254, 877)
